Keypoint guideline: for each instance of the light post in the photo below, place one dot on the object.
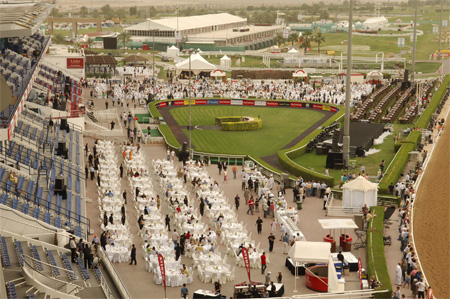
(348, 92)
(191, 153)
(153, 71)
(413, 63)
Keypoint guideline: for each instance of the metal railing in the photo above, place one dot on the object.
(53, 284)
(114, 275)
(63, 212)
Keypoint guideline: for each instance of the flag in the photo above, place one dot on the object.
(246, 262)
(360, 272)
(163, 269)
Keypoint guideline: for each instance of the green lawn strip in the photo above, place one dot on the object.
(153, 110)
(425, 118)
(153, 132)
(259, 143)
(376, 260)
(170, 139)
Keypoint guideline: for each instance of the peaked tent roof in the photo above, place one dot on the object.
(304, 252)
(360, 183)
(198, 65)
(173, 47)
(225, 57)
(292, 51)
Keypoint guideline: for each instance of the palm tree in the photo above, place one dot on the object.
(306, 40)
(58, 39)
(279, 39)
(293, 38)
(90, 42)
(319, 38)
(126, 37)
(83, 11)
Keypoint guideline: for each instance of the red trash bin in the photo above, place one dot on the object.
(330, 239)
(348, 244)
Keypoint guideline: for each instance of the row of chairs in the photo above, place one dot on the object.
(5, 255)
(52, 261)
(68, 266)
(37, 258)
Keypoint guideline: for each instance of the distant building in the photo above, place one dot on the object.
(207, 32)
(375, 23)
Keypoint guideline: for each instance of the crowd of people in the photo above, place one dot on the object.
(132, 92)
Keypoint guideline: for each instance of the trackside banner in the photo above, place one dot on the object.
(238, 102)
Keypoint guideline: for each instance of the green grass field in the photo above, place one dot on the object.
(280, 126)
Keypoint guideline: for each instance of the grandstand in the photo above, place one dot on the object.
(42, 179)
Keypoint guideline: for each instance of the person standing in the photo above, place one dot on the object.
(87, 256)
(263, 263)
(121, 170)
(237, 201)
(184, 291)
(397, 293)
(124, 195)
(271, 241)
(420, 289)
(225, 180)
(340, 257)
(250, 205)
(112, 125)
(259, 223)
(246, 195)
(234, 170)
(286, 243)
(133, 255)
(279, 277)
(73, 249)
(325, 200)
(175, 237)
(167, 222)
(219, 166)
(398, 275)
(274, 225)
(202, 206)
(92, 169)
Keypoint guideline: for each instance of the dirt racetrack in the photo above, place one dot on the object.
(431, 219)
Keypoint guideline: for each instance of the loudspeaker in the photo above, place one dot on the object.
(61, 148)
(63, 123)
(59, 184)
(406, 75)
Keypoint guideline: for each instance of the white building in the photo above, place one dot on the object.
(375, 23)
(205, 32)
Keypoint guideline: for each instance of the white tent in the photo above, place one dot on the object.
(316, 252)
(217, 73)
(198, 65)
(292, 51)
(359, 192)
(173, 51)
(374, 75)
(300, 74)
(225, 62)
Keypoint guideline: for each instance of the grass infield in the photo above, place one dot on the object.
(280, 126)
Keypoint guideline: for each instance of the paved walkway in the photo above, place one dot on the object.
(140, 283)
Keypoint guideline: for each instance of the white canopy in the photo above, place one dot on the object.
(300, 74)
(292, 51)
(225, 62)
(308, 252)
(198, 65)
(359, 192)
(337, 223)
(375, 75)
(173, 51)
(316, 252)
(217, 73)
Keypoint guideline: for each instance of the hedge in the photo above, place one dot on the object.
(234, 123)
(170, 139)
(285, 156)
(396, 167)
(153, 110)
(376, 261)
(425, 118)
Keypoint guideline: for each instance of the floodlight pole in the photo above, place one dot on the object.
(440, 34)
(153, 72)
(348, 91)
(190, 115)
(413, 63)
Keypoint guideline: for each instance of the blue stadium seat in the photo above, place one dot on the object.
(78, 208)
(58, 222)
(26, 207)
(30, 189)
(37, 258)
(4, 198)
(15, 203)
(52, 260)
(36, 212)
(78, 186)
(5, 253)
(47, 217)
